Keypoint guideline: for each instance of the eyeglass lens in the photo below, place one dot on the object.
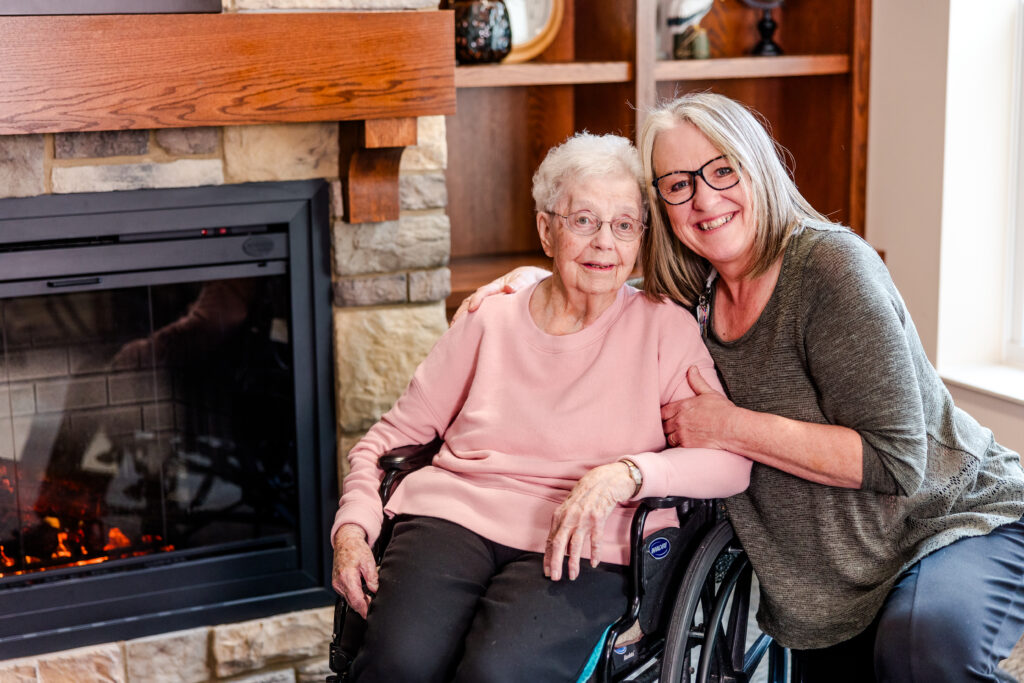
(678, 187)
(587, 223)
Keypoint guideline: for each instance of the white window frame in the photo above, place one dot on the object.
(1013, 351)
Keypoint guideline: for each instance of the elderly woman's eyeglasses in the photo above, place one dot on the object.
(586, 223)
(678, 187)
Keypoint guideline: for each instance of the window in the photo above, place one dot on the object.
(1014, 350)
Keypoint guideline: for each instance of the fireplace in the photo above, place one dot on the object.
(166, 424)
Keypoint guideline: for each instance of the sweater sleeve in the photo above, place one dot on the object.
(691, 472)
(429, 404)
(857, 340)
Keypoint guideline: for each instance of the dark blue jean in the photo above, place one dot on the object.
(953, 617)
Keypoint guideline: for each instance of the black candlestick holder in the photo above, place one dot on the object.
(766, 47)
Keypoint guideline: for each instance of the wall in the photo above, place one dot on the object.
(940, 81)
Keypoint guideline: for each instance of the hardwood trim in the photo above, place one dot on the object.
(389, 132)
(370, 153)
(118, 72)
(751, 67)
(646, 59)
(860, 73)
(536, 73)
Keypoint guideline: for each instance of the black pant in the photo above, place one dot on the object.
(454, 606)
(952, 617)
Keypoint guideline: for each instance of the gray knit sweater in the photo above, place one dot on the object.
(836, 345)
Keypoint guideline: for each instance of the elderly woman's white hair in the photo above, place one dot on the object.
(583, 156)
(670, 268)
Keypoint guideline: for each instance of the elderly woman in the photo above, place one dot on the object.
(884, 524)
(549, 404)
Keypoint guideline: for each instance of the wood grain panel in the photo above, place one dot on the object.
(89, 73)
(491, 160)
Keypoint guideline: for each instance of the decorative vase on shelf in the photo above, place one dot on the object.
(482, 31)
(689, 39)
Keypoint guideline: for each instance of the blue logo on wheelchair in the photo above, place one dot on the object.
(621, 650)
(659, 548)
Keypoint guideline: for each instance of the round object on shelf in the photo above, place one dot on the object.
(535, 23)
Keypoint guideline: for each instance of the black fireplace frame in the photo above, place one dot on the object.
(46, 7)
(84, 606)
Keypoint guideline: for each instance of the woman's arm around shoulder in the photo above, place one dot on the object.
(509, 283)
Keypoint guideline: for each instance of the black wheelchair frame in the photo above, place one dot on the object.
(703, 638)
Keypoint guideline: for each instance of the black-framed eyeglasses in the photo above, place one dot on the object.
(586, 223)
(678, 187)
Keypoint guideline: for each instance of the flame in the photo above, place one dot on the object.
(116, 539)
(62, 549)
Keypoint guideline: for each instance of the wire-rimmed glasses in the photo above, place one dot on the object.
(678, 187)
(586, 223)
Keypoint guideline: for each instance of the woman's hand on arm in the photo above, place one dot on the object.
(581, 517)
(827, 454)
(513, 281)
(353, 564)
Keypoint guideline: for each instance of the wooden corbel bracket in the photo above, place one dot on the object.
(370, 154)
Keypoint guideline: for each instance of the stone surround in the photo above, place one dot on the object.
(287, 648)
(389, 284)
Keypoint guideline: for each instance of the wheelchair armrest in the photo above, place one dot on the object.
(662, 503)
(409, 458)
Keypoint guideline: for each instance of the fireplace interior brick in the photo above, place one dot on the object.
(71, 394)
(134, 387)
(37, 364)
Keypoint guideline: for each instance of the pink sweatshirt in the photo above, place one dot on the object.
(525, 414)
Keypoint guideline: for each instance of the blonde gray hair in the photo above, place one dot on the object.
(670, 268)
(582, 156)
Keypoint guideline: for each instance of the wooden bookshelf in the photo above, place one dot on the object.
(602, 73)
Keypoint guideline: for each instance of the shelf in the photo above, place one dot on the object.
(469, 273)
(570, 73)
(748, 67)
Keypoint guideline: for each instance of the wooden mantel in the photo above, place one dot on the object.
(120, 72)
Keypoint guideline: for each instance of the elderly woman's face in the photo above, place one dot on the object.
(716, 224)
(598, 263)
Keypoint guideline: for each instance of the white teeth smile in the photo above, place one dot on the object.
(717, 223)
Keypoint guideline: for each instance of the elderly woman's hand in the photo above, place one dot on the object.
(513, 281)
(353, 564)
(581, 517)
(700, 421)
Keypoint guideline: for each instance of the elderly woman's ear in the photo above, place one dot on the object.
(545, 228)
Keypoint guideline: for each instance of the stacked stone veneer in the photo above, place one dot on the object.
(390, 282)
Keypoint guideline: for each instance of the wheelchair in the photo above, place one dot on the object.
(689, 600)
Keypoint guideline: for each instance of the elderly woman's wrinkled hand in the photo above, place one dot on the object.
(697, 422)
(513, 281)
(353, 564)
(581, 517)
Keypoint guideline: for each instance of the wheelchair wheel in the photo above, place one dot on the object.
(707, 638)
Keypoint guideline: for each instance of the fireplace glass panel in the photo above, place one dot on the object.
(145, 421)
